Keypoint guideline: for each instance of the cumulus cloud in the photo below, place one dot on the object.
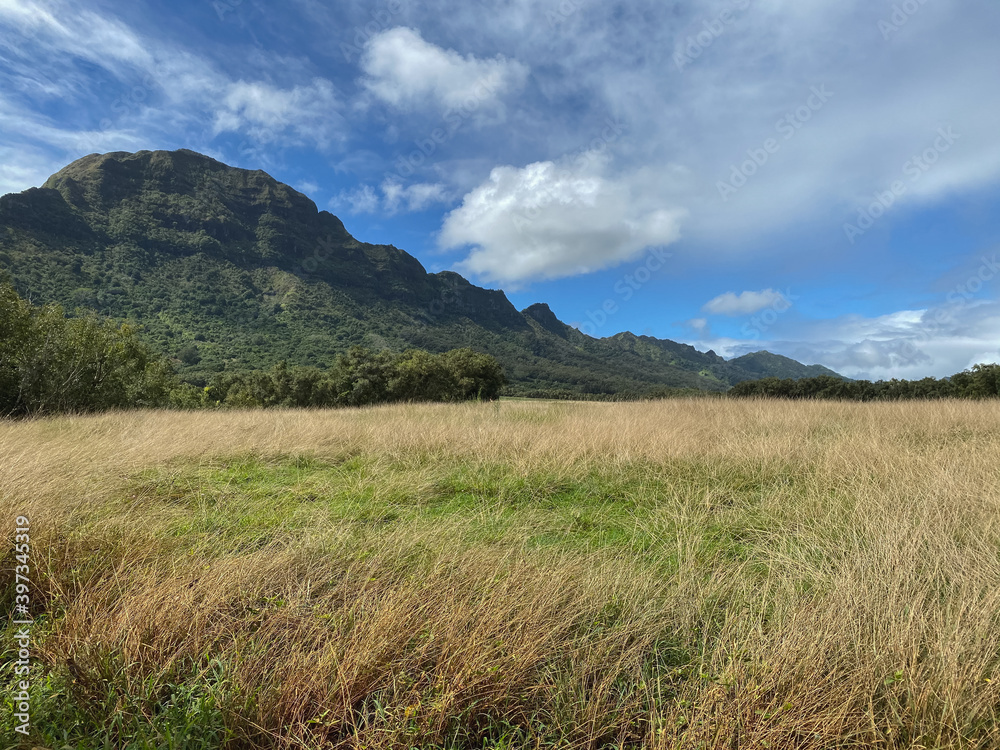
(764, 63)
(546, 221)
(404, 70)
(753, 82)
(745, 303)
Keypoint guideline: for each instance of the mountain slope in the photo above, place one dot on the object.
(768, 365)
(229, 269)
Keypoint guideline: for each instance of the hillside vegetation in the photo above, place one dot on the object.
(714, 573)
(51, 364)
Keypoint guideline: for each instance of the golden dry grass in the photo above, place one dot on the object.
(791, 575)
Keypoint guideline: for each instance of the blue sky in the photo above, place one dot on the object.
(814, 177)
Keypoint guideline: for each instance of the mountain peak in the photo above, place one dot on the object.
(198, 184)
(542, 314)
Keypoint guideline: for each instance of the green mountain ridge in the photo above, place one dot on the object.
(229, 269)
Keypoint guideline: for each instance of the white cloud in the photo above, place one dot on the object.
(763, 66)
(103, 41)
(310, 112)
(728, 102)
(745, 303)
(361, 200)
(417, 197)
(700, 327)
(546, 221)
(688, 127)
(392, 197)
(404, 70)
(20, 168)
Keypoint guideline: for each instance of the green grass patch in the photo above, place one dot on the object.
(246, 502)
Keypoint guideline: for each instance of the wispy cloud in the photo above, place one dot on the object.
(391, 197)
(301, 114)
(745, 303)
(149, 92)
(405, 71)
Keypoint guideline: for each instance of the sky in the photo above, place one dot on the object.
(818, 178)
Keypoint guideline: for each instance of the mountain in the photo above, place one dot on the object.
(767, 365)
(227, 268)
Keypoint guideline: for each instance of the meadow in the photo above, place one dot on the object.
(703, 573)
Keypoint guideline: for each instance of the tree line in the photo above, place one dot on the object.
(360, 377)
(51, 364)
(982, 381)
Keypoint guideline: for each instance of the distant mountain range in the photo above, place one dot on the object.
(227, 268)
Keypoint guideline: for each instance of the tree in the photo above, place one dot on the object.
(420, 376)
(473, 375)
(985, 381)
(51, 364)
(361, 377)
(189, 355)
(16, 335)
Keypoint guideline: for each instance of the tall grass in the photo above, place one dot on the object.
(683, 574)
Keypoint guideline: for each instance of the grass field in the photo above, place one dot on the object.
(683, 574)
